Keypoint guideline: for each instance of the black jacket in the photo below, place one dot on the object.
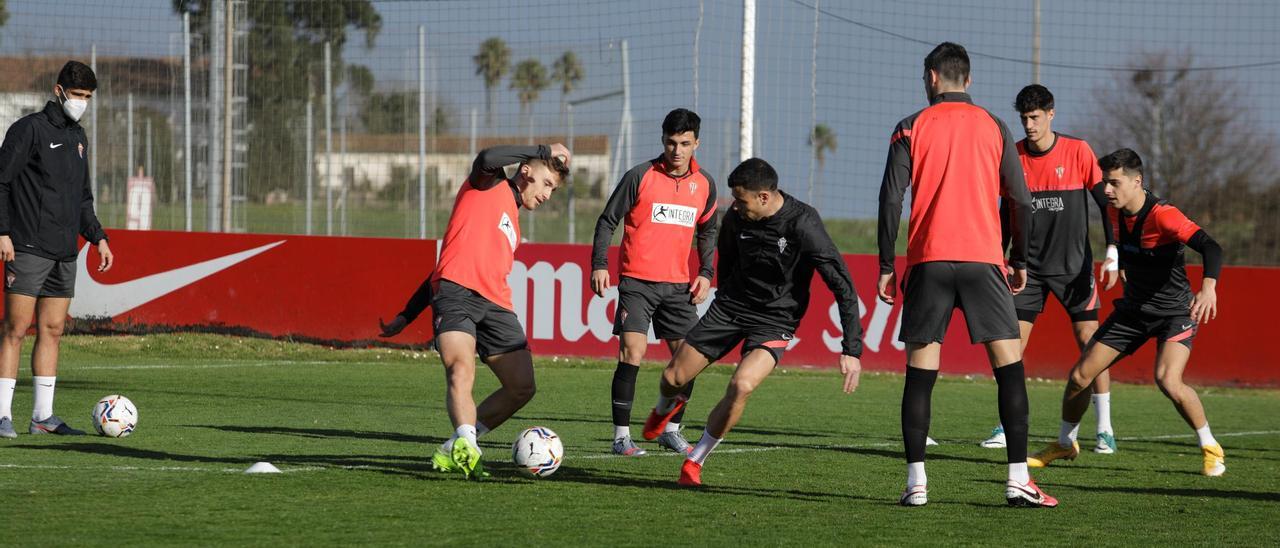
(45, 197)
(766, 267)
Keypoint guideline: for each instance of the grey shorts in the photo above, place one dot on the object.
(496, 329)
(36, 276)
(666, 305)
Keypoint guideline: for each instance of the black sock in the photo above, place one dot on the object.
(916, 396)
(624, 392)
(687, 391)
(1014, 409)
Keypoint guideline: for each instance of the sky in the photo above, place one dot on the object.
(868, 58)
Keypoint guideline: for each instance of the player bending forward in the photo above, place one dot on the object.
(1157, 303)
(471, 301)
(769, 246)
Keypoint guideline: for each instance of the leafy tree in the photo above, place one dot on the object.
(822, 140)
(286, 55)
(529, 79)
(492, 63)
(567, 71)
(397, 112)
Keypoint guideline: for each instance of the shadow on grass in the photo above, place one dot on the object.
(596, 477)
(1180, 492)
(412, 466)
(323, 433)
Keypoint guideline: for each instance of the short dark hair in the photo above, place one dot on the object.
(1033, 97)
(77, 75)
(950, 61)
(1124, 159)
(754, 174)
(681, 120)
(555, 165)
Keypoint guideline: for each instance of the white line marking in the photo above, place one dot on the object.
(207, 365)
(151, 468)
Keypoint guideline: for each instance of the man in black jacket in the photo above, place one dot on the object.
(45, 203)
(770, 244)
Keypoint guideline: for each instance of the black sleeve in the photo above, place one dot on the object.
(624, 197)
(897, 177)
(706, 235)
(1013, 189)
(420, 300)
(1209, 250)
(726, 245)
(486, 171)
(14, 155)
(1004, 226)
(90, 228)
(1099, 193)
(822, 252)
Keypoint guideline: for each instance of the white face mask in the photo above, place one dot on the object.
(74, 107)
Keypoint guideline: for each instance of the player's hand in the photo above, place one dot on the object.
(1017, 280)
(6, 248)
(394, 328)
(698, 290)
(107, 258)
(852, 369)
(1204, 306)
(887, 288)
(600, 281)
(561, 151)
(1110, 268)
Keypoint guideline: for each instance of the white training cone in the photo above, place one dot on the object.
(262, 468)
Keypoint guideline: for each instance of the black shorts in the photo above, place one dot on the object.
(1078, 293)
(932, 290)
(1126, 331)
(36, 276)
(720, 330)
(665, 304)
(496, 329)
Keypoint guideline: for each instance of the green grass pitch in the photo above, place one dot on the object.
(353, 430)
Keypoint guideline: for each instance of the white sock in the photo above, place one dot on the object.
(1102, 403)
(704, 448)
(43, 406)
(481, 429)
(6, 397)
(1018, 472)
(620, 432)
(1067, 433)
(462, 431)
(915, 474)
(665, 404)
(672, 427)
(1206, 437)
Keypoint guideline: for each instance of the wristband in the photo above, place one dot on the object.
(1113, 259)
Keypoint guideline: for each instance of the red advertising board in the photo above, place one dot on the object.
(337, 288)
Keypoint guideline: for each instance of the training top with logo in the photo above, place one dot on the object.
(1153, 257)
(766, 269)
(662, 213)
(480, 242)
(1060, 180)
(45, 195)
(959, 160)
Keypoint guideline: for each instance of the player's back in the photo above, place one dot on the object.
(956, 153)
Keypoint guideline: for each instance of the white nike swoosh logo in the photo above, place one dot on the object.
(1188, 326)
(51, 145)
(99, 300)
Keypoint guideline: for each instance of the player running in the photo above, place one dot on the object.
(1157, 303)
(769, 246)
(663, 203)
(471, 301)
(958, 159)
(1061, 172)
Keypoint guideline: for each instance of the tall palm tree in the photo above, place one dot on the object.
(567, 70)
(823, 139)
(529, 79)
(492, 63)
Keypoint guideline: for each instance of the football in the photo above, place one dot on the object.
(537, 452)
(115, 416)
